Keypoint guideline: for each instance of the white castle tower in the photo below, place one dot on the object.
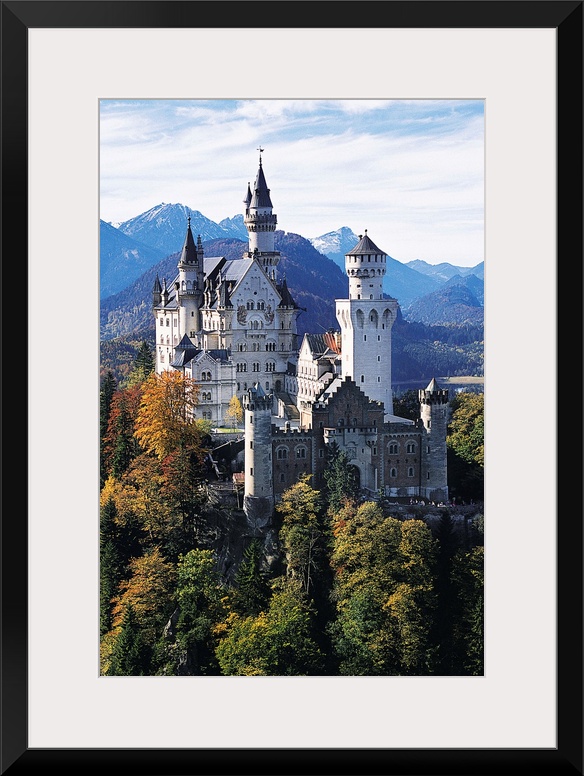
(189, 285)
(258, 503)
(261, 223)
(366, 320)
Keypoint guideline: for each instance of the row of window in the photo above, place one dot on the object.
(393, 448)
(256, 346)
(241, 366)
(282, 453)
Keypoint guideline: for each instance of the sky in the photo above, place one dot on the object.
(410, 172)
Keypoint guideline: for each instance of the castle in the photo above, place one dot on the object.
(231, 325)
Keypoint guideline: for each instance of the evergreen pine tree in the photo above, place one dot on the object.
(143, 365)
(108, 387)
(130, 656)
(251, 587)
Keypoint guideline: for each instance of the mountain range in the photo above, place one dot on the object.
(440, 313)
(128, 248)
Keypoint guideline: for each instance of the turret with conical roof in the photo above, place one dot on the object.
(261, 222)
(190, 282)
(365, 265)
(156, 292)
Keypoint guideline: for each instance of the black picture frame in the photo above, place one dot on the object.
(17, 18)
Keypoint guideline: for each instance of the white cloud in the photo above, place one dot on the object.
(409, 171)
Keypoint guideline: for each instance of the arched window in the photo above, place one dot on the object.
(393, 472)
(282, 454)
(411, 447)
(410, 471)
(301, 451)
(392, 450)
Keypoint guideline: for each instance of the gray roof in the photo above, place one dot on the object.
(261, 192)
(365, 245)
(322, 344)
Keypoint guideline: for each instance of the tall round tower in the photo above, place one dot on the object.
(261, 222)
(189, 289)
(434, 414)
(366, 320)
(258, 501)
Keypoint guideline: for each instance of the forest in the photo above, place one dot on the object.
(349, 587)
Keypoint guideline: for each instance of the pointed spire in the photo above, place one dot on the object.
(247, 199)
(189, 251)
(433, 385)
(287, 300)
(157, 287)
(261, 192)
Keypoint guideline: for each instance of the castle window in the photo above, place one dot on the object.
(427, 475)
(249, 305)
(362, 378)
(393, 448)
(255, 367)
(261, 305)
(162, 357)
(271, 366)
(282, 453)
(393, 472)
(411, 447)
(410, 471)
(364, 338)
(378, 338)
(300, 452)
(321, 453)
(238, 387)
(370, 296)
(192, 314)
(374, 451)
(167, 323)
(282, 477)
(251, 471)
(428, 449)
(251, 444)
(378, 379)
(378, 358)
(267, 386)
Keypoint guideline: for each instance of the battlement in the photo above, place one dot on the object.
(439, 396)
(288, 433)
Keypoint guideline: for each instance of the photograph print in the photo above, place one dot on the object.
(291, 387)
